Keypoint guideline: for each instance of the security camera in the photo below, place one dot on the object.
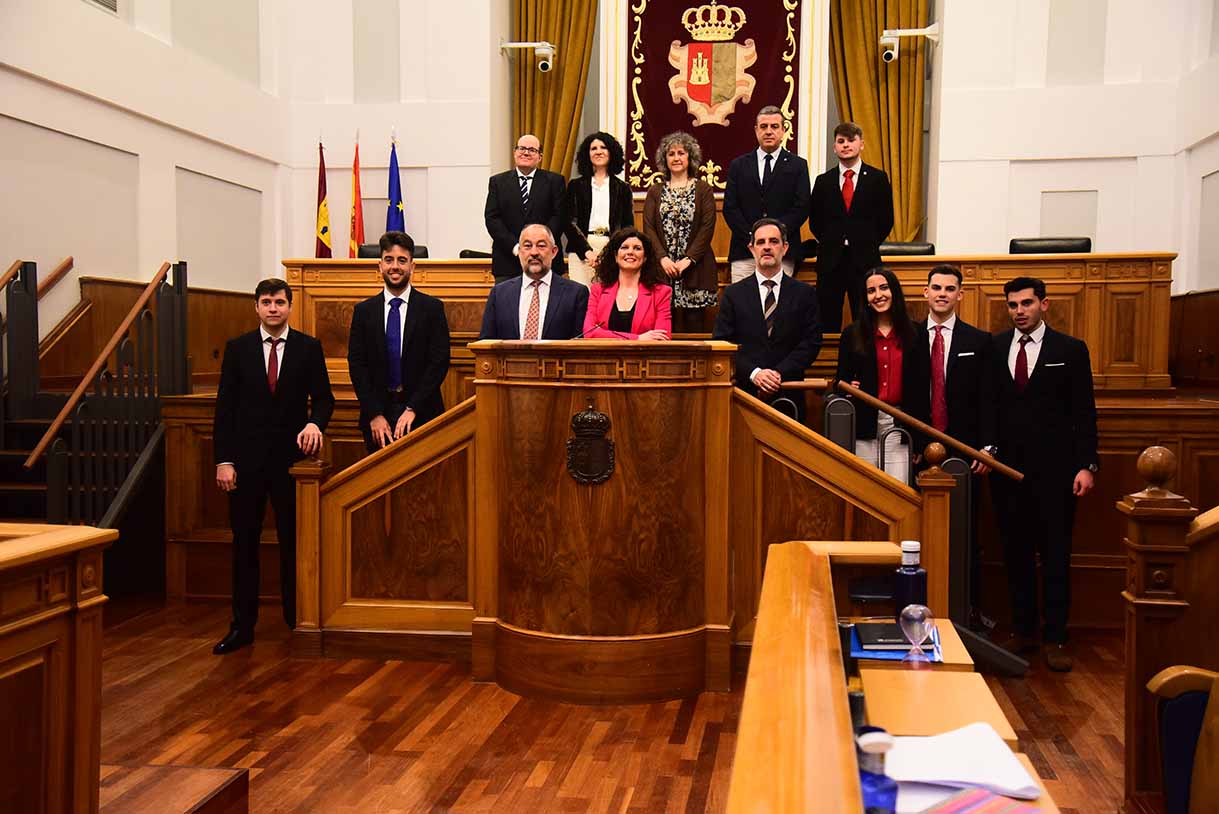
(545, 57)
(888, 48)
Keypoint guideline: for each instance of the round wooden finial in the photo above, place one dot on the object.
(935, 454)
(1157, 466)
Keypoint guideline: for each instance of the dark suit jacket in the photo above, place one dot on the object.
(968, 384)
(856, 366)
(425, 357)
(865, 227)
(797, 336)
(784, 198)
(255, 430)
(506, 215)
(564, 316)
(578, 208)
(1050, 428)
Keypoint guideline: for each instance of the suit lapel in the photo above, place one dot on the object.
(512, 293)
(260, 364)
(836, 191)
(290, 360)
(642, 303)
(1046, 353)
(412, 319)
(552, 304)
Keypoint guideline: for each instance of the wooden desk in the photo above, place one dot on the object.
(1045, 800)
(931, 702)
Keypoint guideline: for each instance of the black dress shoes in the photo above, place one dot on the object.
(235, 640)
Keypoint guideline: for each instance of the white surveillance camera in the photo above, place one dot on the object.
(545, 57)
(888, 48)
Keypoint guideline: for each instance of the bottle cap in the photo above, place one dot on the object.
(911, 546)
(874, 741)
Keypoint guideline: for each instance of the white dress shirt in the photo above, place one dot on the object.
(842, 172)
(947, 326)
(1031, 351)
(522, 309)
(279, 348)
(405, 296)
(599, 216)
(774, 162)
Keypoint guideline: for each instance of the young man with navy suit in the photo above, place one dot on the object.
(536, 304)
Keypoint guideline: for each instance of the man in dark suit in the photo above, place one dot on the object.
(773, 320)
(273, 404)
(768, 182)
(536, 304)
(398, 350)
(520, 196)
(1046, 428)
(850, 215)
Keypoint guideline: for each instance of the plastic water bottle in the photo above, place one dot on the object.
(910, 581)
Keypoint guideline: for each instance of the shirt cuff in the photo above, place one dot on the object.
(755, 372)
(226, 463)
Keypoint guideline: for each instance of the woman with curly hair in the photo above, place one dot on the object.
(595, 205)
(679, 217)
(629, 297)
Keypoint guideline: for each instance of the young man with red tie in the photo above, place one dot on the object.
(272, 407)
(1046, 428)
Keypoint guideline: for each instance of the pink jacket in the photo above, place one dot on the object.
(652, 311)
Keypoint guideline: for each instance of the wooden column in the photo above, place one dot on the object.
(936, 486)
(309, 475)
(1156, 597)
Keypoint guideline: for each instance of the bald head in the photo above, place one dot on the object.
(527, 153)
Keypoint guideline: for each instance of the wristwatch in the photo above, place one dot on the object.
(1093, 468)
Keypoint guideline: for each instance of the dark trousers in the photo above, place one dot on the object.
(247, 507)
(1035, 518)
(395, 411)
(832, 284)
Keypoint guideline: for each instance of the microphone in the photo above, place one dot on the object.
(586, 332)
(601, 325)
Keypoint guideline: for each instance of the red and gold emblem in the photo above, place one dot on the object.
(711, 71)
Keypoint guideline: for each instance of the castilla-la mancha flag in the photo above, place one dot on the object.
(323, 208)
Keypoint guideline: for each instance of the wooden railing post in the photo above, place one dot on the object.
(21, 300)
(309, 474)
(1157, 522)
(172, 367)
(936, 486)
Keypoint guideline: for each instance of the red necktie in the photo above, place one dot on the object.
(1022, 365)
(848, 188)
(939, 404)
(273, 364)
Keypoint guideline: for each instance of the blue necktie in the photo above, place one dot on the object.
(393, 344)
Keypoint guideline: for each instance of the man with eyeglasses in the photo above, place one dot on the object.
(524, 194)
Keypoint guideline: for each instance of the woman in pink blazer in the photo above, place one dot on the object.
(630, 296)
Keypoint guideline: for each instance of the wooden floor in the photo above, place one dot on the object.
(369, 736)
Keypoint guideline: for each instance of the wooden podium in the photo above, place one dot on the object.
(603, 591)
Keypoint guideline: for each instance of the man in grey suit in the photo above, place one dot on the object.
(536, 304)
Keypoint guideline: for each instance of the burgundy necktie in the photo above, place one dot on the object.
(273, 364)
(1022, 365)
(939, 404)
(848, 188)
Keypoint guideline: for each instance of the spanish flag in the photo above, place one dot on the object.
(323, 209)
(357, 207)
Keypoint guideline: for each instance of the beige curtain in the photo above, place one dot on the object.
(549, 104)
(885, 99)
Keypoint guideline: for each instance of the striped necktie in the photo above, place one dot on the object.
(525, 191)
(769, 305)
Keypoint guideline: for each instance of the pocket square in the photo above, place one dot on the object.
(966, 353)
(1055, 364)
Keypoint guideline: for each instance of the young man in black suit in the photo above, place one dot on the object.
(851, 214)
(520, 196)
(773, 320)
(1046, 428)
(272, 407)
(768, 182)
(537, 304)
(398, 350)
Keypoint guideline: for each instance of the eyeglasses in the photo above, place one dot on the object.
(528, 150)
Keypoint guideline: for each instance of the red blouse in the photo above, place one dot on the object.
(889, 368)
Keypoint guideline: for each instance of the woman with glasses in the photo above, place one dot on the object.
(595, 205)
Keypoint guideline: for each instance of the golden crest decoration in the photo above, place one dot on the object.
(712, 73)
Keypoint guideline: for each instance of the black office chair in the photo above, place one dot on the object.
(1187, 719)
(906, 248)
(373, 250)
(1049, 245)
(810, 248)
(474, 254)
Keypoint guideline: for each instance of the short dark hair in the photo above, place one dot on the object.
(944, 268)
(1021, 283)
(607, 263)
(617, 159)
(760, 222)
(272, 285)
(769, 110)
(400, 239)
(849, 130)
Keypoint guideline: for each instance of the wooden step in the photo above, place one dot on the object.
(173, 790)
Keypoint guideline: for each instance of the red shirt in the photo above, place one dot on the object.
(889, 368)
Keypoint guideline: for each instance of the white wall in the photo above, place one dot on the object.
(1125, 105)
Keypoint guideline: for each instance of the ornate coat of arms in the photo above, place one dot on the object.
(711, 71)
(590, 455)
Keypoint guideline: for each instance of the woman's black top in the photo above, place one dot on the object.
(620, 321)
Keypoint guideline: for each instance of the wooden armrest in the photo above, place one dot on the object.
(1173, 681)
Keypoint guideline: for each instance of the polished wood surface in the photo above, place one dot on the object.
(50, 666)
(1171, 602)
(952, 649)
(930, 702)
(1193, 356)
(795, 748)
(174, 790)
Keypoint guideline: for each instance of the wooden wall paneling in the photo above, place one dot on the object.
(1195, 339)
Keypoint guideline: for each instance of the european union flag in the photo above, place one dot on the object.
(394, 220)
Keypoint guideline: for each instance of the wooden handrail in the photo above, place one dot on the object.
(11, 273)
(57, 274)
(927, 429)
(97, 365)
